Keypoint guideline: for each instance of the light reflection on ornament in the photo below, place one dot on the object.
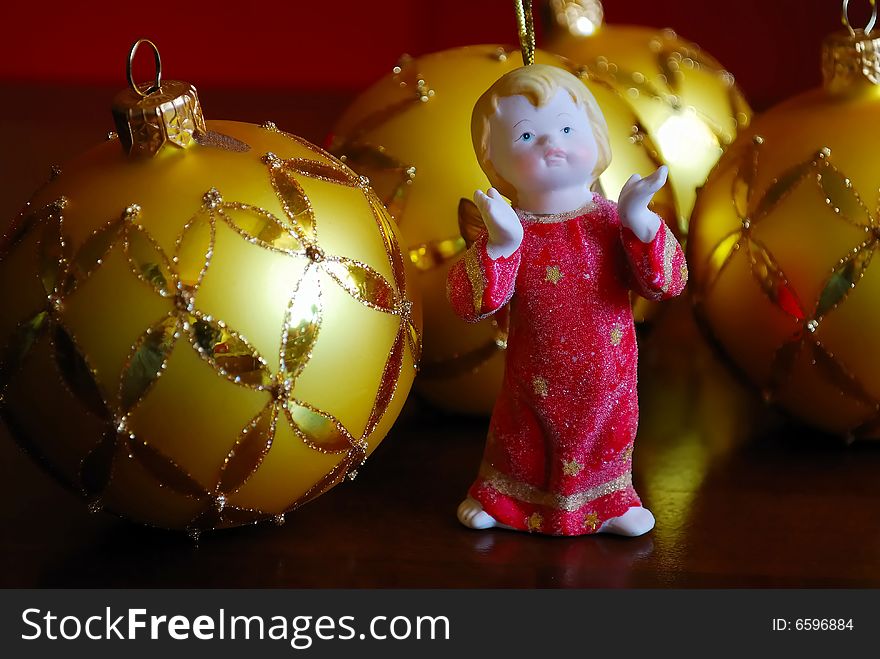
(686, 141)
(584, 26)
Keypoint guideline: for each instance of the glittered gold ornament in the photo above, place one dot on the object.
(207, 327)
(410, 134)
(782, 244)
(685, 100)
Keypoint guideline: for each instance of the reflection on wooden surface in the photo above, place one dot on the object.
(742, 496)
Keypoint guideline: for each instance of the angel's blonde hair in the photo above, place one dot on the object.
(538, 83)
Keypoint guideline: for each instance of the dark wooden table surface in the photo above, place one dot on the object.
(742, 496)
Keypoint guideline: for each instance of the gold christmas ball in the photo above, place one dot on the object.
(684, 99)
(410, 134)
(781, 247)
(208, 331)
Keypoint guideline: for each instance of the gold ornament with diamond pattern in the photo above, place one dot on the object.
(782, 245)
(684, 99)
(410, 134)
(209, 330)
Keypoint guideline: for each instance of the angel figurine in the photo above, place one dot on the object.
(558, 456)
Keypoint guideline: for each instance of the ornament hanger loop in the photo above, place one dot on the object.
(871, 21)
(526, 24)
(157, 83)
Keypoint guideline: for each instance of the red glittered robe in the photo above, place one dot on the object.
(558, 456)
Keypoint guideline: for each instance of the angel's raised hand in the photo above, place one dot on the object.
(502, 223)
(633, 203)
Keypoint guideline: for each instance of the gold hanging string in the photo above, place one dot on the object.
(871, 21)
(526, 25)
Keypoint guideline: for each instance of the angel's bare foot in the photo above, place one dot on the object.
(635, 521)
(472, 515)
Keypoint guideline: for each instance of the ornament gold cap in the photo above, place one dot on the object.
(852, 58)
(150, 115)
(579, 18)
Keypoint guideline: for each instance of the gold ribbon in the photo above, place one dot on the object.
(530, 494)
(526, 25)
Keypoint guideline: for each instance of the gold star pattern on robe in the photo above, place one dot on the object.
(554, 274)
(591, 521)
(540, 385)
(616, 335)
(535, 521)
(572, 468)
(627, 453)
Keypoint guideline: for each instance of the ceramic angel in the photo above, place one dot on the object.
(558, 456)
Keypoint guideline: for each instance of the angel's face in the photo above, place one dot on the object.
(542, 149)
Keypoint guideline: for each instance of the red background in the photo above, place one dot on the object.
(771, 46)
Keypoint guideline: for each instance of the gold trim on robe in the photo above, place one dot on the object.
(530, 494)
